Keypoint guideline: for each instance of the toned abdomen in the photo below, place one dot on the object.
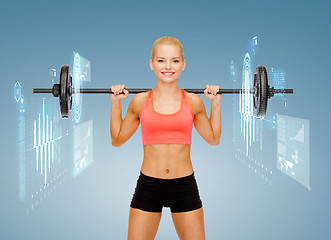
(167, 161)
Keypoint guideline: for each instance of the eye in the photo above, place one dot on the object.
(176, 61)
(160, 60)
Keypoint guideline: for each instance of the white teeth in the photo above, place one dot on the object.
(168, 74)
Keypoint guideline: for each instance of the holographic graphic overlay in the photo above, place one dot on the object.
(253, 138)
(247, 124)
(21, 105)
(278, 80)
(83, 146)
(45, 165)
(253, 46)
(17, 91)
(52, 74)
(293, 148)
(81, 73)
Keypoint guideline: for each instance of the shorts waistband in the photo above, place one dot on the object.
(164, 180)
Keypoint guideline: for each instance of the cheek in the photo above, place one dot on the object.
(179, 68)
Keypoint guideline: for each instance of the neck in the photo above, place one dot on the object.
(166, 89)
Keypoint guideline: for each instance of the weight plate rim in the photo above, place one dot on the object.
(65, 94)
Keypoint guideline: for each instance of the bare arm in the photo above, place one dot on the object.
(209, 128)
(115, 120)
(216, 120)
(122, 130)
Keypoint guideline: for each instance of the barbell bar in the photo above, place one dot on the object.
(261, 91)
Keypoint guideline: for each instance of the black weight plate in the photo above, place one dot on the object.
(65, 91)
(261, 87)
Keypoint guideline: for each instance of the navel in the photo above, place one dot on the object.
(167, 170)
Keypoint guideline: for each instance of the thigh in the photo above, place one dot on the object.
(143, 225)
(190, 225)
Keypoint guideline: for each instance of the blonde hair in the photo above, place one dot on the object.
(169, 41)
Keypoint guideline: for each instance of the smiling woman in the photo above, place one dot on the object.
(167, 114)
(167, 60)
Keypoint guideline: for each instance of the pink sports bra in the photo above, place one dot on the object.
(158, 128)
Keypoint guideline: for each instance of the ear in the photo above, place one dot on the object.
(151, 64)
(184, 63)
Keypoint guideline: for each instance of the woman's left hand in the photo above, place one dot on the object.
(210, 92)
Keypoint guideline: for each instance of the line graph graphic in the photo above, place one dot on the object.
(47, 150)
(252, 137)
(247, 123)
(43, 143)
(300, 136)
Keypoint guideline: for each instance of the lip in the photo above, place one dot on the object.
(168, 74)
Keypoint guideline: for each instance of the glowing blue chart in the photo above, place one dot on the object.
(81, 73)
(293, 148)
(43, 143)
(45, 166)
(247, 124)
(252, 136)
(83, 146)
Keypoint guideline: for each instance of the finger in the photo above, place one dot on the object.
(113, 89)
(215, 89)
(123, 89)
(212, 89)
(118, 88)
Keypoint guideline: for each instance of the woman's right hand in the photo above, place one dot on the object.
(117, 89)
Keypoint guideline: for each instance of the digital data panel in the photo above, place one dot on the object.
(41, 137)
(83, 146)
(293, 148)
(42, 166)
(81, 72)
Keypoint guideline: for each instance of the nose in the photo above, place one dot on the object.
(167, 66)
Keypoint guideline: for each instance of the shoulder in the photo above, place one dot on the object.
(138, 100)
(195, 102)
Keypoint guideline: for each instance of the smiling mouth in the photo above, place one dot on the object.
(168, 73)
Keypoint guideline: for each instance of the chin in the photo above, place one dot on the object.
(168, 80)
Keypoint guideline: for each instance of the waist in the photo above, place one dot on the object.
(189, 177)
(167, 168)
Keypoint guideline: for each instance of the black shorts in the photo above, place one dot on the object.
(180, 194)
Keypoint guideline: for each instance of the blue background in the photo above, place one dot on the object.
(117, 37)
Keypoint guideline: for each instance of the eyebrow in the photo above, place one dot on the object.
(171, 58)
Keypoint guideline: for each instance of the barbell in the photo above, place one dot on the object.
(261, 91)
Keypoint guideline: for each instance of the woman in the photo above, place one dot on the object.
(167, 114)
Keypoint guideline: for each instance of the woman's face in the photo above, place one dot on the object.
(167, 63)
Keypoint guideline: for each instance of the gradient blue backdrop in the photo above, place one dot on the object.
(117, 37)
